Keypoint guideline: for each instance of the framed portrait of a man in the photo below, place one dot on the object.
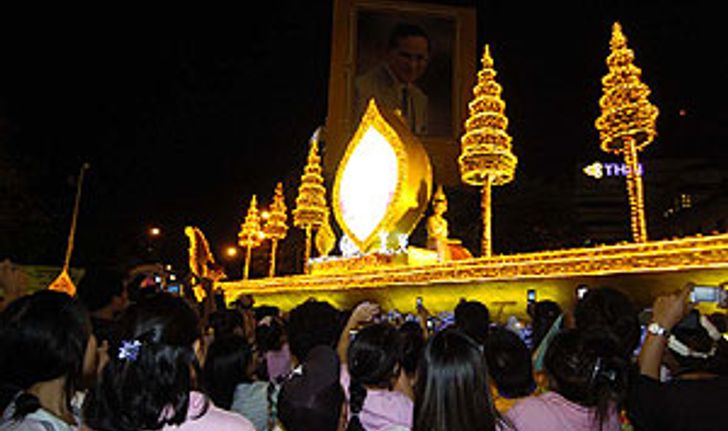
(415, 58)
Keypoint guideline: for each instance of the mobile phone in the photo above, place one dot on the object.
(173, 288)
(581, 291)
(531, 296)
(707, 294)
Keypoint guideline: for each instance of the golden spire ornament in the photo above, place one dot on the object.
(486, 159)
(275, 227)
(311, 210)
(627, 122)
(250, 235)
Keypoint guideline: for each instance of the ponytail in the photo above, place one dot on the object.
(357, 395)
(589, 370)
(608, 386)
(25, 404)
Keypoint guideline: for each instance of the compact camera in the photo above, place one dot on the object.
(715, 294)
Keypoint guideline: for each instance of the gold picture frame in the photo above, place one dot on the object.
(359, 35)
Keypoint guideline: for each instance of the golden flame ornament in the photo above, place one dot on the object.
(486, 159)
(383, 182)
(627, 122)
(200, 256)
(325, 239)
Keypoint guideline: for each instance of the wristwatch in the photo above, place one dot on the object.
(655, 328)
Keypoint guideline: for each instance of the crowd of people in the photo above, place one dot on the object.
(122, 357)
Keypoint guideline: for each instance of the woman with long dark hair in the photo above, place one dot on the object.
(451, 392)
(46, 347)
(369, 373)
(151, 381)
(229, 379)
(372, 372)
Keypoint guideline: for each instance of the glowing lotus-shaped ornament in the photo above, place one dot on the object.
(383, 182)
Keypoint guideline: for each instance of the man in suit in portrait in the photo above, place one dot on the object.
(393, 83)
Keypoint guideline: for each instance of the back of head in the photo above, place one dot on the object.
(451, 390)
(372, 361)
(411, 344)
(269, 334)
(374, 354)
(43, 336)
(610, 311)
(311, 324)
(226, 322)
(312, 399)
(509, 363)
(227, 364)
(587, 369)
(473, 318)
(264, 311)
(147, 382)
(99, 286)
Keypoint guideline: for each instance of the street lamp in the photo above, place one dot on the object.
(231, 252)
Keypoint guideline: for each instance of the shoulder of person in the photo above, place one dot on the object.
(217, 418)
(36, 421)
(252, 389)
(528, 408)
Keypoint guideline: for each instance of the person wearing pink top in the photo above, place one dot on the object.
(150, 381)
(202, 415)
(552, 412)
(383, 409)
(588, 383)
(369, 371)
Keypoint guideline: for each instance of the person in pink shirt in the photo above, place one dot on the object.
(587, 380)
(369, 372)
(152, 378)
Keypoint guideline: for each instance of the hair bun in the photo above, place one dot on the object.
(25, 403)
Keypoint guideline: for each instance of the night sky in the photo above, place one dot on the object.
(181, 125)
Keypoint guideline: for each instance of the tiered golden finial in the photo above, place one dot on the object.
(486, 159)
(627, 122)
(311, 210)
(275, 227)
(250, 235)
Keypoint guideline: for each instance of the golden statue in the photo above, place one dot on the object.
(438, 234)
